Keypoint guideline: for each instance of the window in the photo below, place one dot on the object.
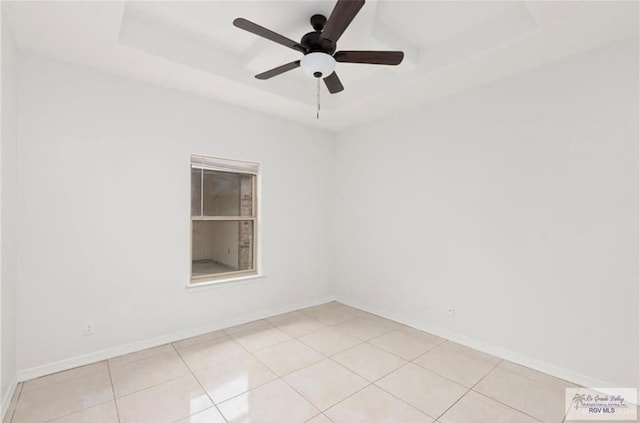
(223, 218)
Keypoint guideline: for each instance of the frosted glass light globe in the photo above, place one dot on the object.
(318, 65)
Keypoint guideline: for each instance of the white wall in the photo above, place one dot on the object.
(8, 195)
(517, 203)
(104, 178)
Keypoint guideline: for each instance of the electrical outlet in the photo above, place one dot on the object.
(89, 328)
(450, 310)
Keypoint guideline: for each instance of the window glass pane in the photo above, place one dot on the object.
(227, 194)
(195, 192)
(220, 246)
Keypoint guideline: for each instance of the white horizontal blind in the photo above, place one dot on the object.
(224, 165)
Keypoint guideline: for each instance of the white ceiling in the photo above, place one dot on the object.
(192, 46)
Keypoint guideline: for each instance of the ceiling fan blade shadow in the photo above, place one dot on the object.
(370, 57)
(279, 70)
(333, 83)
(340, 18)
(267, 33)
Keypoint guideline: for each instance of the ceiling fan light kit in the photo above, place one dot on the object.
(318, 64)
(319, 46)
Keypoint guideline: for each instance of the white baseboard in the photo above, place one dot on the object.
(7, 397)
(551, 369)
(541, 366)
(82, 360)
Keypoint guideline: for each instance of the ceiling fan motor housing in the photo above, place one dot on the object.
(312, 42)
(318, 60)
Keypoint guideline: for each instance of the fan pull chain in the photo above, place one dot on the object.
(318, 98)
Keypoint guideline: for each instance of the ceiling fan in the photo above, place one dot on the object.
(319, 46)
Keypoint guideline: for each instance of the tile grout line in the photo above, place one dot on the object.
(200, 384)
(367, 341)
(509, 406)
(301, 395)
(353, 316)
(281, 377)
(402, 399)
(265, 347)
(248, 390)
(412, 361)
(144, 388)
(278, 377)
(447, 377)
(523, 377)
(149, 386)
(496, 400)
(475, 384)
(469, 389)
(223, 335)
(295, 338)
(19, 394)
(537, 381)
(267, 323)
(323, 326)
(113, 391)
(341, 351)
(242, 393)
(304, 334)
(325, 357)
(318, 415)
(227, 335)
(566, 414)
(64, 380)
(330, 357)
(348, 396)
(312, 364)
(76, 412)
(191, 346)
(373, 383)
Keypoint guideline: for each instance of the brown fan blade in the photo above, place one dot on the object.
(333, 83)
(267, 33)
(340, 18)
(370, 57)
(277, 71)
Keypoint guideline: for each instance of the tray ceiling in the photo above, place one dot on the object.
(193, 47)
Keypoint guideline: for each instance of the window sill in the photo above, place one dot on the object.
(223, 282)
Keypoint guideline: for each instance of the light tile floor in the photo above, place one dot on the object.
(324, 364)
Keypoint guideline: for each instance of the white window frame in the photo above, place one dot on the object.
(220, 164)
